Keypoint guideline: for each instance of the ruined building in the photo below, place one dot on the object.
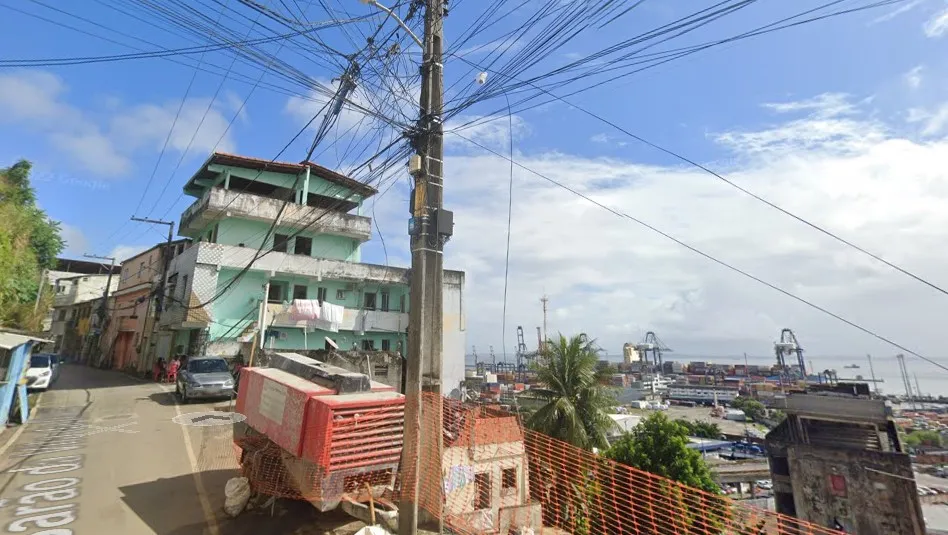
(837, 461)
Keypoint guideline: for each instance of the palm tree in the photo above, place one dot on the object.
(577, 404)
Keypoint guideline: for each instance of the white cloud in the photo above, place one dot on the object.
(824, 105)
(494, 133)
(499, 46)
(613, 279)
(38, 101)
(937, 26)
(829, 124)
(122, 253)
(34, 100)
(914, 77)
(197, 126)
(933, 122)
(602, 139)
(904, 8)
(76, 241)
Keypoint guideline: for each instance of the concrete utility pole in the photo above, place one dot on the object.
(165, 264)
(430, 227)
(105, 294)
(108, 281)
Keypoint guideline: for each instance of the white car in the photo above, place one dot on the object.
(765, 484)
(43, 371)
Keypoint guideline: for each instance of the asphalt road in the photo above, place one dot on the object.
(102, 455)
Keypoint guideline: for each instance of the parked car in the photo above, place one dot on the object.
(204, 378)
(43, 371)
(765, 484)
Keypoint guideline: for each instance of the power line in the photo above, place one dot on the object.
(742, 189)
(710, 257)
(203, 49)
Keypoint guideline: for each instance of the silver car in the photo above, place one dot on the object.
(204, 378)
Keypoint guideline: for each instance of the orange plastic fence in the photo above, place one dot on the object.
(495, 476)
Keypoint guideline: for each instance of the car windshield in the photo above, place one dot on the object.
(39, 361)
(207, 366)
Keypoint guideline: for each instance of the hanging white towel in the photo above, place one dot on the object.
(305, 310)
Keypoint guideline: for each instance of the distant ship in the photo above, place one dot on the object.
(852, 367)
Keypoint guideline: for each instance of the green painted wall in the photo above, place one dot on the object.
(317, 185)
(242, 299)
(237, 307)
(234, 231)
(317, 339)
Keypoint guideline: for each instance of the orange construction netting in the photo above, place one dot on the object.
(495, 476)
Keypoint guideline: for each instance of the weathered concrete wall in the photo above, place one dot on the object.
(382, 366)
(454, 335)
(874, 492)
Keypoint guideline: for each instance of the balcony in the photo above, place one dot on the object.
(218, 203)
(352, 319)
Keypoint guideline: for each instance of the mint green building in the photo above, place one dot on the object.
(238, 279)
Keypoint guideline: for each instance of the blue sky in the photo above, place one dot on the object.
(832, 93)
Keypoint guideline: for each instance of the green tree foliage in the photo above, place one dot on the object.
(701, 429)
(660, 446)
(576, 405)
(29, 243)
(922, 438)
(754, 409)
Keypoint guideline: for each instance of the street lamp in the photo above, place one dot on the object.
(397, 19)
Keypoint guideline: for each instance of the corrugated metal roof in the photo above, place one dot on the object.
(11, 340)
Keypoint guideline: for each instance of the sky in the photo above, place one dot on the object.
(842, 122)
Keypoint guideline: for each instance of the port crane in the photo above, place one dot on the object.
(653, 345)
(788, 346)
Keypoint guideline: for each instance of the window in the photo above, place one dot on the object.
(321, 294)
(141, 268)
(172, 285)
(386, 345)
(299, 291)
(369, 303)
(384, 302)
(212, 235)
(303, 246)
(208, 366)
(401, 303)
(340, 294)
(368, 345)
(277, 293)
(482, 491)
(509, 478)
(62, 315)
(279, 242)
(380, 370)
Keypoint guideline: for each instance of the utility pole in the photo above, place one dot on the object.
(165, 261)
(39, 291)
(430, 226)
(165, 265)
(105, 293)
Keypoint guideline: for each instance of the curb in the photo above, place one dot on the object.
(19, 430)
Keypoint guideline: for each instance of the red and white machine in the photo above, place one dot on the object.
(317, 432)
